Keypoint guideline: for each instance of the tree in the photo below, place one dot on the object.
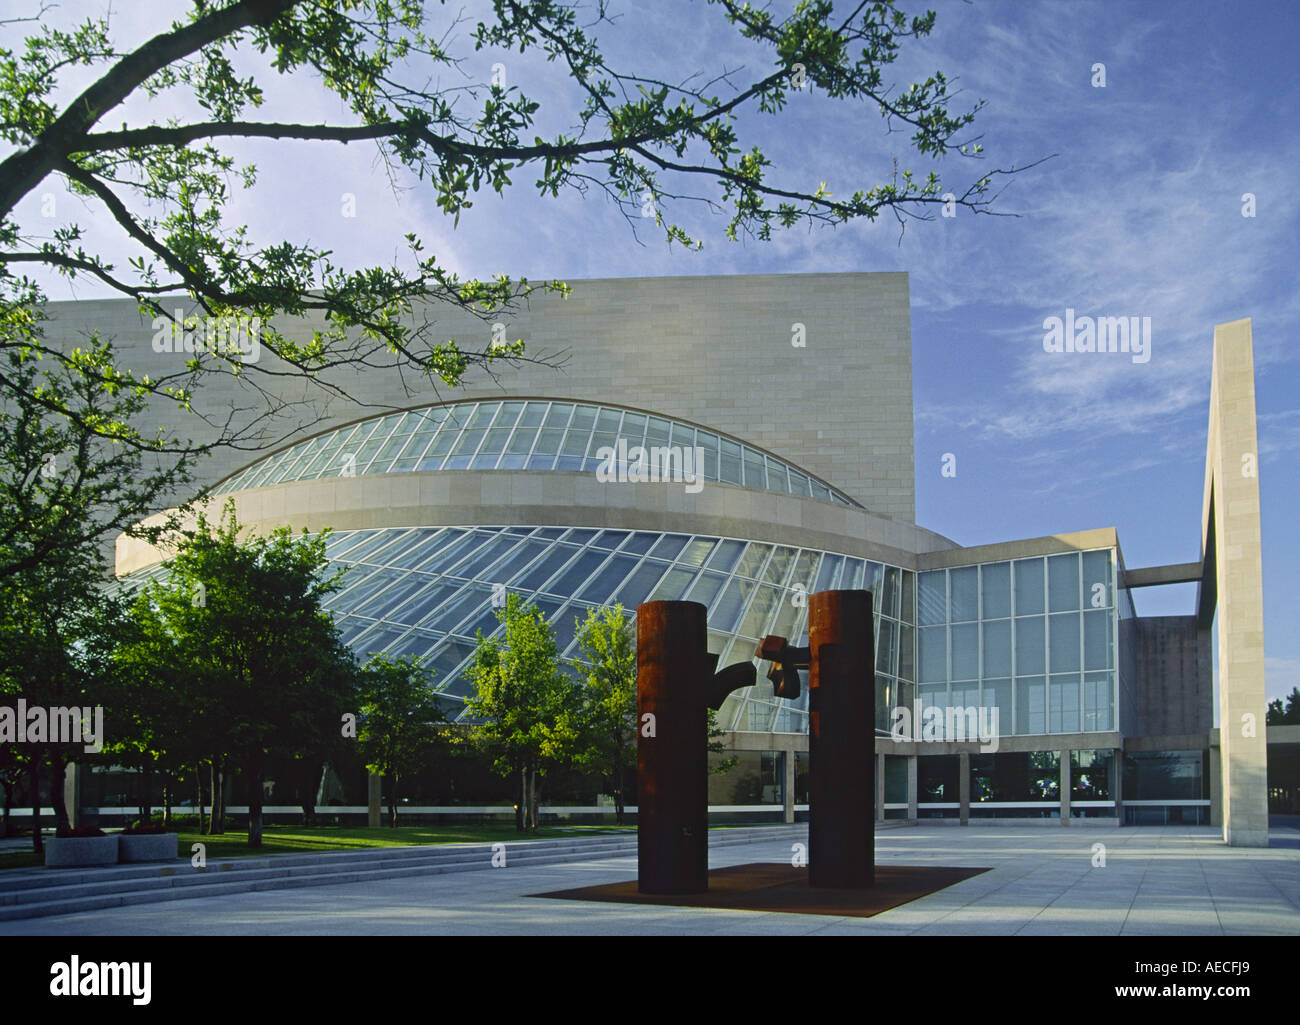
(245, 616)
(65, 489)
(398, 721)
(526, 704)
(717, 747)
(56, 635)
(609, 719)
(66, 483)
(156, 701)
(642, 142)
(13, 766)
(1277, 715)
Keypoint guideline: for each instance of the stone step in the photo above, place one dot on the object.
(203, 885)
(39, 877)
(118, 876)
(41, 894)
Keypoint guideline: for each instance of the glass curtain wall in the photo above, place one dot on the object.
(1032, 638)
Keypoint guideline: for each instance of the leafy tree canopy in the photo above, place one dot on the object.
(168, 181)
(398, 721)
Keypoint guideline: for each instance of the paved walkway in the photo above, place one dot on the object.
(1156, 881)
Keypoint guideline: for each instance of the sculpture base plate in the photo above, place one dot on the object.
(784, 889)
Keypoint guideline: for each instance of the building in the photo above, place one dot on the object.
(794, 393)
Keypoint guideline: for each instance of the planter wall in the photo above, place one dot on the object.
(81, 851)
(146, 847)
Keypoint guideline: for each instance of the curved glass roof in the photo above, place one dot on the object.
(518, 434)
(426, 591)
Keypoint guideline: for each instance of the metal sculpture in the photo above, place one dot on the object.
(676, 685)
(841, 733)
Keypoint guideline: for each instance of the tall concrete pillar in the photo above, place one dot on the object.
(1232, 545)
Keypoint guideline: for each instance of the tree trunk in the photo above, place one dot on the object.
(255, 810)
(618, 791)
(217, 823)
(198, 791)
(532, 799)
(167, 799)
(521, 807)
(7, 824)
(308, 798)
(392, 802)
(146, 794)
(37, 846)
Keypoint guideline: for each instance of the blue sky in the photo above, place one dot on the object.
(1139, 213)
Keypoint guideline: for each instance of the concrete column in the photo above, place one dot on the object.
(963, 786)
(789, 757)
(72, 793)
(1117, 784)
(880, 787)
(1216, 787)
(1233, 541)
(913, 787)
(1065, 788)
(372, 797)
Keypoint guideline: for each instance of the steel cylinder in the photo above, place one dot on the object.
(672, 747)
(841, 740)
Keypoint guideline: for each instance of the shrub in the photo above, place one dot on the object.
(81, 831)
(141, 828)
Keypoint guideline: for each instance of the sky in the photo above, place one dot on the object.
(1139, 210)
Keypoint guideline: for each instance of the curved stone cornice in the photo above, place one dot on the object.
(522, 497)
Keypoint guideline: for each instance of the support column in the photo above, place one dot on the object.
(880, 787)
(72, 793)
(1216, 787)
(913, 787)
(789, 756)
(963, 786)
(1117, 784)
(1065, 787)
(1232, 541)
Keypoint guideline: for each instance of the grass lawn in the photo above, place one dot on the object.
(317, 839)
(20, 859)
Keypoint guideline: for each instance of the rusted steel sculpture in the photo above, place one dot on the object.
(675, 685)
(841, 733)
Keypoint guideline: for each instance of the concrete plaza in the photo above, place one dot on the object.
(1155, 881)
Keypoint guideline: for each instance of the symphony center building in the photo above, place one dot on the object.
(743, 442)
